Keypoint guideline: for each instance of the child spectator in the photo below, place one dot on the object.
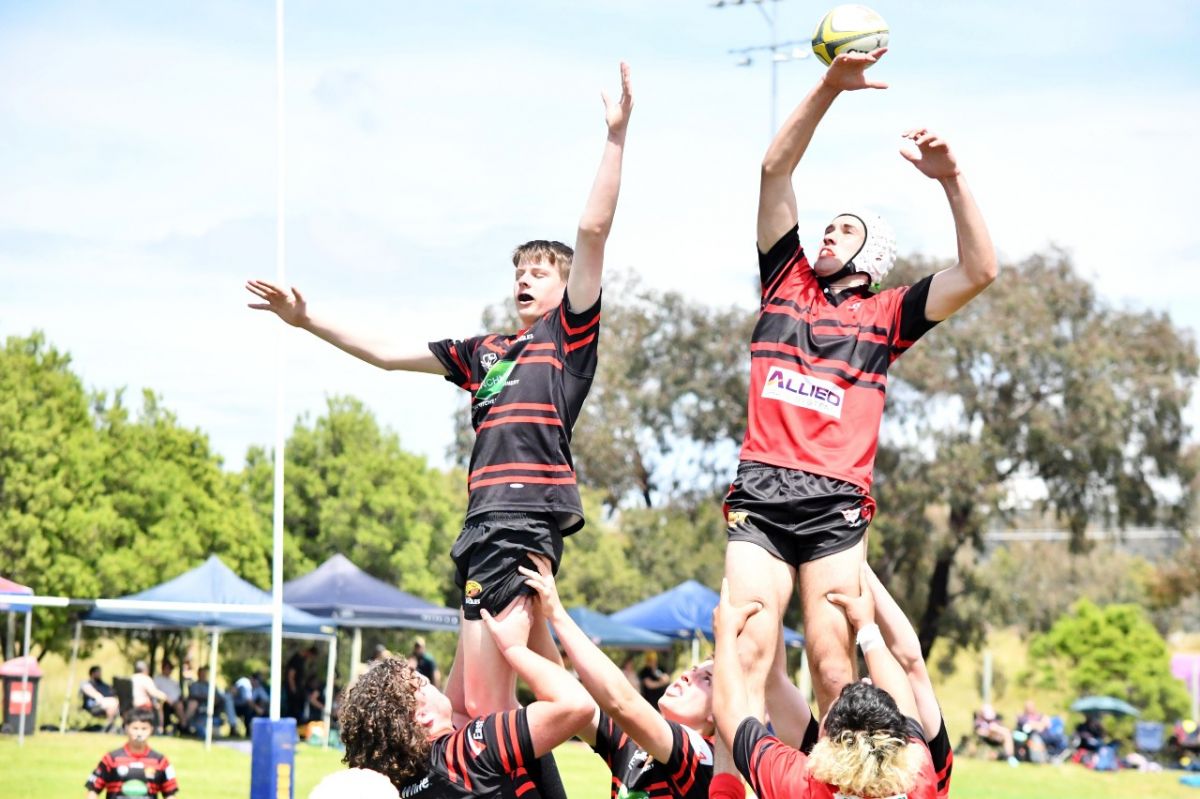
(135, 769)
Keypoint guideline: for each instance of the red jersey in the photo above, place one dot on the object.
(125, 774)
(776, 770)
(686, 774)
(527, 391)
(818, 367)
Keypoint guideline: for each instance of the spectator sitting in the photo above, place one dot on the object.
(173, 704)
(1044, 734)
(988, 728)
(146, 694)
(1090, 733)
(426, 665)
(251, 699)
(99, 699)
(198, 704)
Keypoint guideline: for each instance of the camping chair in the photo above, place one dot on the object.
(1149, 738)
(123, 688)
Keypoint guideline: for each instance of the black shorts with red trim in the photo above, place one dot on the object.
(490, 548)
(795, 515)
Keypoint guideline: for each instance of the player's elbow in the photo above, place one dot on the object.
(774, 166)
(578, 709)
(594, 229)
(986, 271)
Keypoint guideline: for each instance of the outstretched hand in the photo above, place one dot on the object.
(934, 158)
(728, 619)
(860, 610)
(291, 309)
(511, 627)
(616, 115)
(542, 582)
(847, 72)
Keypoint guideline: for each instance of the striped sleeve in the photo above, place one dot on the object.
(165, 777)
(456, 357)
(774, 264)
(498, 744)
(909, 322)
(610, 739)
(690, 764)
(772, 768)
(102, 775)
(579, 337)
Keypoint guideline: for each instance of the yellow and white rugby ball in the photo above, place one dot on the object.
(849, 28)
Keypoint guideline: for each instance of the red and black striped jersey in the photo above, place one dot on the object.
(123, 773)
(819, 364)
(527, 390)
(776, 770)
(685, 775)
(942, 754)
(481, 759)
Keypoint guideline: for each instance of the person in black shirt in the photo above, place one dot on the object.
(397, 723)
(654, 681)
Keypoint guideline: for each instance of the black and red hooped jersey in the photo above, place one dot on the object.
(527, 391)
(636, 775)
(818, 367)
(776, 770)
(124, 774)
(487, 757)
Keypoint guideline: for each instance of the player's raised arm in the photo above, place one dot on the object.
(885, 672)
(293, 309)
(562, 706)
(953, 288)
(601, 677)
(731, 701)
(777, 199)
(583, 285)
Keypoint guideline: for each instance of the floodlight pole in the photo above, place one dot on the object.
(280, 351)
(776, 50)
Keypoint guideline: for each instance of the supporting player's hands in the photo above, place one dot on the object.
(848, 71)
(291, 309)
(511, 628)
(933, 156)
(728, 619)
(542, 582)
(616, 115)
(860, 610)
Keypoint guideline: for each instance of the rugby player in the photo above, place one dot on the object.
(799, 507)
(871, 743)
(663, 753)
(395, 722)
(527, 389)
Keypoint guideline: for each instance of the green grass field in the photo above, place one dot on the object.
(52, 765)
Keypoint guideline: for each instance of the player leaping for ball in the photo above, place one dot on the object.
(527, 391)
(826, 335)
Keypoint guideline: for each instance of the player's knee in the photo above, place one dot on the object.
(833, 672)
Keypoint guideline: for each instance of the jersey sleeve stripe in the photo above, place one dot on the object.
(547, 420)
(499, 729)
(452, 763)
(459, 362)
(575, 331)
(515, 739)
(583, 342)
(461, 745)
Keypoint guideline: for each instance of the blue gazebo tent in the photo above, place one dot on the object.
(345, 595)
(603, 631)
(211, 582)
(684, 613)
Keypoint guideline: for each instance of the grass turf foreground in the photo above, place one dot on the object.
(53, 765)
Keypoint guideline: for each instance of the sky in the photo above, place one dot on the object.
(424, 140)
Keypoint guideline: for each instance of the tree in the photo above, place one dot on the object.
(351, 488)
(1109, 651)
(1036, 381)
(53, 515)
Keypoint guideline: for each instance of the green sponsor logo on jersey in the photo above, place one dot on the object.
(134, 788)
(495, 380)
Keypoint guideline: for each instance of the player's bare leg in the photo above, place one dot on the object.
(756, 576)
(454, 681)
(489, 684)
(827, 635)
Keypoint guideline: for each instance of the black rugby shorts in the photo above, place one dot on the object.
(490, 548)
(795, 515)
